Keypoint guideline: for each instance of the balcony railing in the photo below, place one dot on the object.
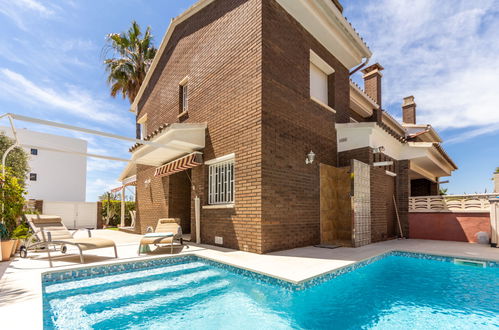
(451, 203)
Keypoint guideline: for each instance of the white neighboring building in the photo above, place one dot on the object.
(54, 176)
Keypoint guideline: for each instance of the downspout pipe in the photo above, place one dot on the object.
(360, 66)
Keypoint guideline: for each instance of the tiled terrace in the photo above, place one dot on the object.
(20, 285)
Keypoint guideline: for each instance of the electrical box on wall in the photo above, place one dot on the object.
(219, 240)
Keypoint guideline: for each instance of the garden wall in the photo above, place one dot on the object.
(448, 226)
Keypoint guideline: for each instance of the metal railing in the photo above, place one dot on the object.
(451, 203)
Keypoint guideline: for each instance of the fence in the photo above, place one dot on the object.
(478, 203)
(74, 215)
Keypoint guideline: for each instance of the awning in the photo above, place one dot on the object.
(181, 164)
(130, 181)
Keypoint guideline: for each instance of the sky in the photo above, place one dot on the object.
(444, 52)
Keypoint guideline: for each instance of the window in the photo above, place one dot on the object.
(319, 75)
(142, 127)
(221, 180)
(184, 95)
(143, 130)
(32, 177)
(34, 152)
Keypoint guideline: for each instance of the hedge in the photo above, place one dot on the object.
(115, 210)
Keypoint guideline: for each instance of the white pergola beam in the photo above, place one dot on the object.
(80, 129)
(75, 153)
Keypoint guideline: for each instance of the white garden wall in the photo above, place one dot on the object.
(75, 215)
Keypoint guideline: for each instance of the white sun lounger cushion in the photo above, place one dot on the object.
(158, 235)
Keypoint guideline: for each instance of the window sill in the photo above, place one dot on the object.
(180, 115)
(316, 100)
(219, 206)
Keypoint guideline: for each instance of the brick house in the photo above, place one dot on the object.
(239, 94)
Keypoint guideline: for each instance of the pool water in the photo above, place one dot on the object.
(395, 292)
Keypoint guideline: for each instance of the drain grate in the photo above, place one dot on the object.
(471, 263)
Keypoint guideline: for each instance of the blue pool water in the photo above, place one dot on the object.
(396, 292)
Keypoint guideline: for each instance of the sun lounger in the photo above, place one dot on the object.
(166, 232)
(50, 230)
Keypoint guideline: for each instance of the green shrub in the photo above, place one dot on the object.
(111, 212)
(12, 199)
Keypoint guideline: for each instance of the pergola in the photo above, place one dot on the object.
(128, 181)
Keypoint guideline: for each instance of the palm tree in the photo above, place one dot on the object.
(132, 55)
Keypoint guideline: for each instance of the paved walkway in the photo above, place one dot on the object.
(20, 285)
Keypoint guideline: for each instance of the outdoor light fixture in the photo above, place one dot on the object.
(378, 150)
(147, 182)
(310, 158)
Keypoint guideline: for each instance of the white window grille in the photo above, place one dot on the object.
(185, 98)
(221, 182)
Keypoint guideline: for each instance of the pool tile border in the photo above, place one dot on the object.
(103, 270)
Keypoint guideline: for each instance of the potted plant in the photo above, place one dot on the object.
(12, 203)
(5, 243)
(20, 233)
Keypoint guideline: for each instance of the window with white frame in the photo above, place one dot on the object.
(184, 95)
(142, 122)
(319, 75)
(221, 180)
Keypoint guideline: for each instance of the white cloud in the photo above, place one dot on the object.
(18, 10)
(97, 187)
(74, 100)
(443, 53)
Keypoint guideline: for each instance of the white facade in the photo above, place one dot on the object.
(54, 176)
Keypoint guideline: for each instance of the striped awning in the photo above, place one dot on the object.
(130, 181)
(181, 164)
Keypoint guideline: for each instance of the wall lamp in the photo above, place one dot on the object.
(147, 182)
(310, 158)
(378, 150)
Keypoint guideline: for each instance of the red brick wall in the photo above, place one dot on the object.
(151, 198)
(383, 218)
(402, 189)
(364, 155)
(293, 125)
(447, 226)
(219, 48)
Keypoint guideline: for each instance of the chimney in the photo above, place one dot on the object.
(372, 82)
(338, 5)
(409, 110)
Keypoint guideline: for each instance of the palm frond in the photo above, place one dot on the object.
(132, 55)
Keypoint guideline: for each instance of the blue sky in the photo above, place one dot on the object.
(51, 68)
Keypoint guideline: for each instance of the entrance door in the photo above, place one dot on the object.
(335, 205)
(179, 199)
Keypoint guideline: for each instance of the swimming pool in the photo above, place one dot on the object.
(395, 291)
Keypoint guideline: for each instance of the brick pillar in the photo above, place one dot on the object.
(402, 189)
